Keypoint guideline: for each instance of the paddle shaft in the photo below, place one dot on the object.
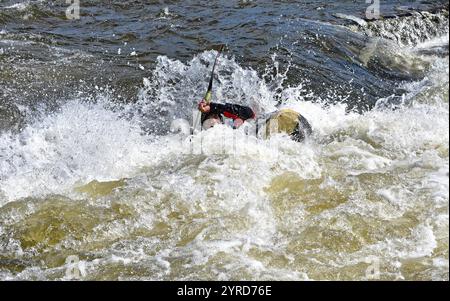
(208, 94)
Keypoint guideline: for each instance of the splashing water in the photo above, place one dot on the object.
(108, 182)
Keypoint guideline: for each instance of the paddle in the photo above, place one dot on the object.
(208, 94)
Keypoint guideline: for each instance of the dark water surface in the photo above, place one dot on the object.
(95, 50)
(88, 167)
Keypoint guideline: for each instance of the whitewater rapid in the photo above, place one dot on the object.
(109, 183)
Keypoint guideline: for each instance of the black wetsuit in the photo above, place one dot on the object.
(228, 110)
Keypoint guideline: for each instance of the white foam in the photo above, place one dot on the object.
(439, 41)
(80, 143)
(21, 6)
